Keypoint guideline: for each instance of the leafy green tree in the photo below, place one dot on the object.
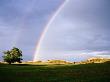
(13, 55)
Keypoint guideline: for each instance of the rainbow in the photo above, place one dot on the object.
(35, 58)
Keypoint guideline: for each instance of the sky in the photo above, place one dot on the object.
(79, 31)
(22, 22)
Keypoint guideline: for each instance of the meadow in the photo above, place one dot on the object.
(99, 72)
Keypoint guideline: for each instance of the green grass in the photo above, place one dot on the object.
(55, 73)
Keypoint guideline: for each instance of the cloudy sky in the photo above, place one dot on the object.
(80, 30)
(22, 21)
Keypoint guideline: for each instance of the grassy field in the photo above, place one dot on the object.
(55, 73)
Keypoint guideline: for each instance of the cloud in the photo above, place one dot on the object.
(81, 25)
(22, 21)
(82, 30)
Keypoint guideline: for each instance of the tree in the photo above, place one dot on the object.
(13, 55)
